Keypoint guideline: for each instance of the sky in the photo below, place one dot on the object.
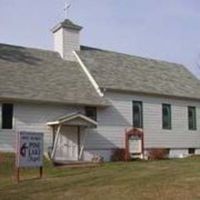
(161, 29)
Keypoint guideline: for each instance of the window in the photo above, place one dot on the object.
(137, 114)
(91, 112)
(192, 118)
(191, 151)
(7, 116)
(166, 116)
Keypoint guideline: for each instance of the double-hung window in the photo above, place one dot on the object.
(137, 114)
(192, 124)
(91, 112)
(7, 116)
(166, 116)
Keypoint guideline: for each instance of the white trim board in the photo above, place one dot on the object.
(72, 117)
(91, 79)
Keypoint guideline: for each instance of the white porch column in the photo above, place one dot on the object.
(56, 141)
(82, 144)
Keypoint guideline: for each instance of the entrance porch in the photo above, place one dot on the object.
(69, 136)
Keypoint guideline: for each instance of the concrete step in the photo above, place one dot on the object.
(75, 164)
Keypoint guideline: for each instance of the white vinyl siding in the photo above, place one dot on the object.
(33, 117)
(112, 123)
(115, 119)
(0, 115)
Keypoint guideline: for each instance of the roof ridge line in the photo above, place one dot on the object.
(131, 55)
(25, 47)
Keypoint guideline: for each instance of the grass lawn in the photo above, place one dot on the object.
(139, 180)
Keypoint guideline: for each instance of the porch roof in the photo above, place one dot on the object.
(75, 119)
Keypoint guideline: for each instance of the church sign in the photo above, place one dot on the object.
(135, 145)
(29, 152)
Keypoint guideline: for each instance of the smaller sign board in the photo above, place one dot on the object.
(135, 145)
(29, 149)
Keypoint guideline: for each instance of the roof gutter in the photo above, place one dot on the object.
(38, 101)
(150, 94)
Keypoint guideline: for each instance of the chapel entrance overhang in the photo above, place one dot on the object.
(69, 135)
(75, 119)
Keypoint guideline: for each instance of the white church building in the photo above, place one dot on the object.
(85, 99)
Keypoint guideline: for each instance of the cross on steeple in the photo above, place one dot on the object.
(66, 9)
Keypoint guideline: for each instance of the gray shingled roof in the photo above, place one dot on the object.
(116, 71)
(32, 74)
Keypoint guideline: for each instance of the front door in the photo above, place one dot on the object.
(67, 148)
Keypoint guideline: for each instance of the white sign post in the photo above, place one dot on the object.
(29, 151)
